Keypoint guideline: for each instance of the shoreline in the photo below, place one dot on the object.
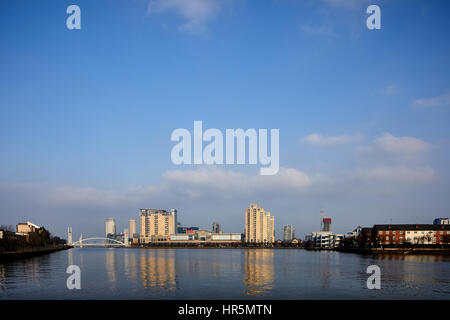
(365, 251)
(18, 255)
(398, 251)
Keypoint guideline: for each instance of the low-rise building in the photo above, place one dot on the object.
(226, 237)
(326, 239)
(24, 229)
(440, 221)
(398, 234)
(182, 237)
(202, 235)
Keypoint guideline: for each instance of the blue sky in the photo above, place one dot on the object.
(86, 115)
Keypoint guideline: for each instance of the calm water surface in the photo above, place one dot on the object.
(126, 273)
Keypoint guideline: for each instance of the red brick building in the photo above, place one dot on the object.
(398, 234)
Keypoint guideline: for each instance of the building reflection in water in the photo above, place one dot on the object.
(70, 257)
(327, 262)
(158, 269)
(2, 277)
(130, 264)
(414, 271)
(259, 271)
(111, 266)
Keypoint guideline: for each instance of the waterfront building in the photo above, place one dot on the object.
(121, 237)
(216, 227)
(132, 227)
(398, 234)
(126, 237)
(202, 235)
(440, 221)
(206, 236)
(226, 237)
(110, 226)
(181, 237)
(24, 229)
(156, 224)
(259, 225)
(69, 236)
(288, 233)
(355, 233)
(326, 239)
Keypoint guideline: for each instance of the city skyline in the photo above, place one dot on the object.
(87, 115)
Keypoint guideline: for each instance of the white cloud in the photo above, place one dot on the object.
(230, 181)
(440, 101)
(316, 139)
(388, 148)
(197, 13)
(397, 174)
(404, 145)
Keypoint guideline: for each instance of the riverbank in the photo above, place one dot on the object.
(409, 251)
(30, 252)
(199, 246)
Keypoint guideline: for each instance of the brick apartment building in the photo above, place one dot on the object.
(399, 234)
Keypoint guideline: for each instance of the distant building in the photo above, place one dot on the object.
(216, 227)
(259, 225)
(326, 224)
(288, 233)
(182, 237)
(202, 235)
(117, 237)
(440, 221)
(126, 237)
(226, 237)
(69, 236)
(355, 233)
(207, 236)
(110, 226)
(132, 228)
(157, 225)
(26, 228)
(326, 239)
(187, 230)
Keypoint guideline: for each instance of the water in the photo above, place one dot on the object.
(128, 273)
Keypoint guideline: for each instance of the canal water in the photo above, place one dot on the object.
(130, 273)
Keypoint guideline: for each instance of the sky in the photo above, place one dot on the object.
(86, 115)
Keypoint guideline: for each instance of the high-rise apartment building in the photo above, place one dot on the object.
(259, 225)
(156, 222)
(132, 227)
(110, 226)
(288, 233)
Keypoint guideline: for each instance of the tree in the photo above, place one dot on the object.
(7, 228)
